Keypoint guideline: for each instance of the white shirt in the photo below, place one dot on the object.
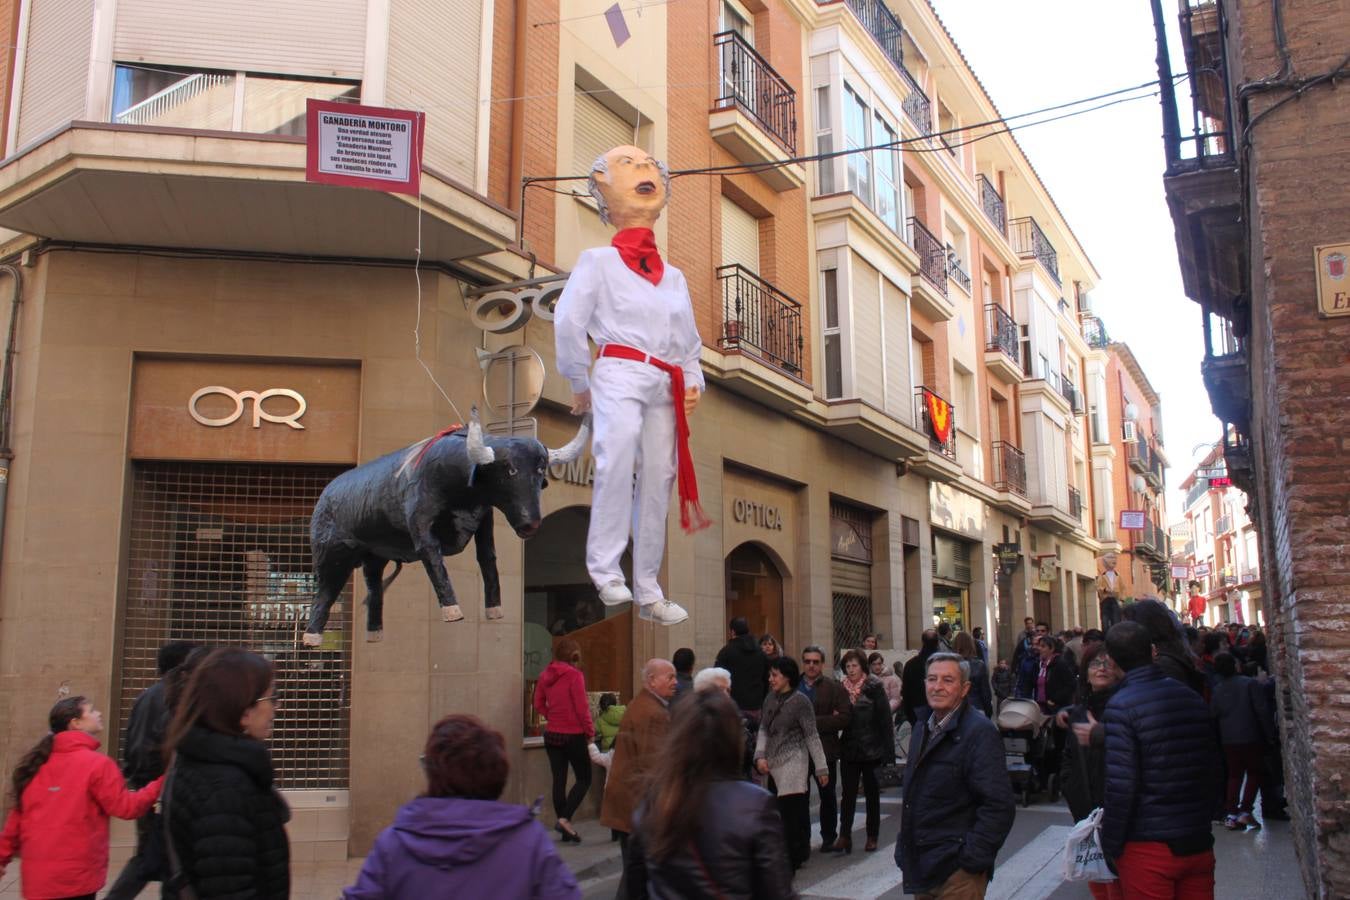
(612, 304)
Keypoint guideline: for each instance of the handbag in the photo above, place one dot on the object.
(1084, 859)
(177, 881)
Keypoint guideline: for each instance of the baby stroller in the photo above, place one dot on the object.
(1025, 730)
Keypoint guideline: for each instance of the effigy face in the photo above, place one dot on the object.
(633, 185)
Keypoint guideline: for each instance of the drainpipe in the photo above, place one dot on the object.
(1166, 88)
(516, 162)
(7, 393)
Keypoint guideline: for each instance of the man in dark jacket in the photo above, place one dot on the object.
(683, 660)
(142, 764)
(959, 804)
(913, 674)
(1160, 760)
(832, 714)
(748, 665)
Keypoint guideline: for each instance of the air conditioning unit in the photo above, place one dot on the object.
(1131, 432)
(1085, 302)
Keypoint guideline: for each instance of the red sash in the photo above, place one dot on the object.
(691, 512)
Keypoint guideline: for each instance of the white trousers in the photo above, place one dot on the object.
(634, 419)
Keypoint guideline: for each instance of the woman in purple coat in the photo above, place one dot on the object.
(457, 839)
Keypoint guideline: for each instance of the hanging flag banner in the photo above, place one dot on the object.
(939, 416)
(364, 146)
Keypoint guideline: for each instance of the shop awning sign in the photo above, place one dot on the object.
(364, 146)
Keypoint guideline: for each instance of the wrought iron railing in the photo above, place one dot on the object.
(1223, 526)
(1094, 332)
(992, 202)
(955, 272)
(748, 81)
(1029, 242)
(1001, 332)
(1010, 468)
(923, 398)
(1138, 455)
(1075, 503)
(1209, 143)
(884, 27)
(932, 255)
(758, 317)
(916, 104)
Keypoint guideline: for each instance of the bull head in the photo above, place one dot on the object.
(572, 449)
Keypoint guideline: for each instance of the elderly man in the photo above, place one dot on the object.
(645, 383)
(1161, 760)
(833, 711)
(959, 805)
(641, 737)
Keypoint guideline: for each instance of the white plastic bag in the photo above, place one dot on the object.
(1083, 856)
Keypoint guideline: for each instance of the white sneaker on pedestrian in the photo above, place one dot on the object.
(663, 611)
(615, 593)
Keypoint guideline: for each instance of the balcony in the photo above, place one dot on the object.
(1138, 455)
(1071, 394)
(930, 289)
(1030, 242)
(937, 420)
(1155, 474)
(1223, 526)
(759, 319)
(1075, 503)
(992, 202)
(1009, 469)
(755, 116)
(1002, 347)
(1094, 332)
(956, 273)
(1247, 576)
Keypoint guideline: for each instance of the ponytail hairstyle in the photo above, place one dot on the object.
(58, 720)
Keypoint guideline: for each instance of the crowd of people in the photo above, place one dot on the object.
(1164, 727)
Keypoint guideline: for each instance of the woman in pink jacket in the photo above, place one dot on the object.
(64, 792)
(560, 697)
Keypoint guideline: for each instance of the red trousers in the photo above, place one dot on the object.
(1248, 760)
(1149, 871)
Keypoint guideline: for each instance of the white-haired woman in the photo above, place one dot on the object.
(712, 679)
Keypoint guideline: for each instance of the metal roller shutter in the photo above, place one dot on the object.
(740, 237)
(596, 129)
(219, 553)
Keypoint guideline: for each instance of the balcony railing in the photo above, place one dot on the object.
(1138, 454)
(1224, 525)
(932, 255)
(1001, 332)
(936, 444)
(748, 81)
(1030, 242)
(1070, 393)
(1075, 503)
(1094, 332)
(992, 202)
(955, 272)
(1209, 143)
(1248, 575)
(149, 110)
(917, 105)
(759, 317)
(1010, 468)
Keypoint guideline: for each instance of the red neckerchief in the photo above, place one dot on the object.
(637, 249)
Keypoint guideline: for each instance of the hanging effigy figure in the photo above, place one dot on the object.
(644, 384)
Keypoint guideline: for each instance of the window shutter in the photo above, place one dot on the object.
(740, 237)
(597, 129)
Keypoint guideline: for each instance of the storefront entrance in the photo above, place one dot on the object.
(755, 590)
(219, 554)
(951, 604)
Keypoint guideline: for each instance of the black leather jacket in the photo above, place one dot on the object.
(739, 849)
(869, 736)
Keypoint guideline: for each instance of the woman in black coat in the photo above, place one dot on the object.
(1083, 772)
(868, 742)
(225, 818)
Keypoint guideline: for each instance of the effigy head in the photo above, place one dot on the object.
(1109, 560)
(630, 186)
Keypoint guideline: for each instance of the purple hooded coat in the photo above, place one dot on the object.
(453, 847)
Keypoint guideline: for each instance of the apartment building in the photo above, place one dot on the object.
(1251, 143)
(1220, 547)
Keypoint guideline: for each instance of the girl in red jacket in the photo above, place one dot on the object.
(560, 697)
(64, 792)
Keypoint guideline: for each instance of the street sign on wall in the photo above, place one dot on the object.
(363, 146)
(1133, 519)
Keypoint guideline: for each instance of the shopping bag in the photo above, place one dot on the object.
(1083, 856)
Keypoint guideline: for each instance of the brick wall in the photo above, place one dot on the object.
(1301, 422)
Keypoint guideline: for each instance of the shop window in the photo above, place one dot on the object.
(219, 101)
(219, 553)
(560, 601)
(850, 574)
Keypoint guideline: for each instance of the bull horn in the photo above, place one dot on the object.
(572, 449)
(479, 453)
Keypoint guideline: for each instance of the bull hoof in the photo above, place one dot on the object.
(494, 612)
(312, 640)
(374, 637)
(451, 613)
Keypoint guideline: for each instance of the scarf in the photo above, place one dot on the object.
(854, 688)
(637, 249)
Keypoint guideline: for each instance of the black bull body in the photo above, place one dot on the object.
(423, 503)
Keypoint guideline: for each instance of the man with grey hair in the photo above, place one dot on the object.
(959, 805)
(641, 389)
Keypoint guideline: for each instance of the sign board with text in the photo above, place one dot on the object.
(1133, 519)
(364, 146)
(1333, 279)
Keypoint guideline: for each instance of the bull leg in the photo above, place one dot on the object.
(331, 571)
(429, 551)
(485, 549)
(373, 570)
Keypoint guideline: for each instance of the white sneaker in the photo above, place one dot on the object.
(663, 611)
(615, 593)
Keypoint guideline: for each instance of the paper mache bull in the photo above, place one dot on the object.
(425, 502)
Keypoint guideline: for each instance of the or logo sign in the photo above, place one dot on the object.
(1336, 266)
(259, 414)
(751, 513)
(503, 311)
(1333, 291)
